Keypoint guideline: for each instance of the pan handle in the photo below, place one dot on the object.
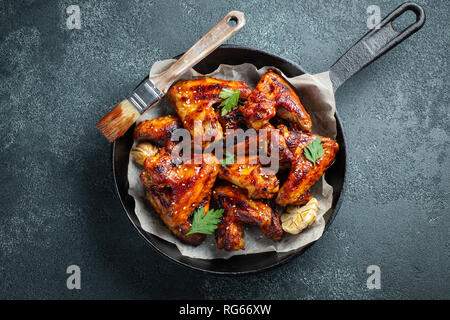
(374, 44)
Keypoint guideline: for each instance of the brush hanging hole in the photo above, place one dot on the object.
(232, 21)
(404, 21)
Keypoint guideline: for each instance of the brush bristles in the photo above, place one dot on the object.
(118, 120)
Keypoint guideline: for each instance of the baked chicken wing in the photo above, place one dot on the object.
(273, 96)
(160, 131)
(259, 183)
(193, 101)
(157, 129)
(181, 230)
(175, 188)
(240, 210)
(267, 141)
(304, 173)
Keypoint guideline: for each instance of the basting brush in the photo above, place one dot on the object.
(150, 92)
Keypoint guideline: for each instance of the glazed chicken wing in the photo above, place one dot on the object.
(175, 188)
(304, 173)
(240, 210)
(272, 96)
(157, 129)
(259, 183)
(261, 142)
(230, 232)
(193, 101)
(157, 193)
(181, 230)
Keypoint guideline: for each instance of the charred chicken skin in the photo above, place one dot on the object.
(232, 120)
(193, 101)
(240, 210)
(273, 96)
(304, 173)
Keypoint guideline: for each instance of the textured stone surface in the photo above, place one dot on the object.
(58, 203)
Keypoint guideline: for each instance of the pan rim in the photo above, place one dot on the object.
(283, 260)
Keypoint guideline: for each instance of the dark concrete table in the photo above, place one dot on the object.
(58, 203)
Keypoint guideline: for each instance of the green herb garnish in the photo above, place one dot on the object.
(314, 150)
(231, 100)
(229, 159)
(205, 223)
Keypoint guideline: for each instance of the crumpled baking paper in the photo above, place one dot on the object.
(316, 94)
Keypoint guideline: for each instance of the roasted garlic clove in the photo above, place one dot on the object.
(142, 151)
(298, 218)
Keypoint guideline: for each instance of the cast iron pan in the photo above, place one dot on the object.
(369, 48)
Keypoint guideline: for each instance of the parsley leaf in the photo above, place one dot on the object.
(205, 223)
(229, 159)
(314, 150)
(231, 100)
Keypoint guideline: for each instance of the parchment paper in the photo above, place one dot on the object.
(316, 94)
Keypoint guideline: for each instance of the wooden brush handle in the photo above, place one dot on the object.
(222, 31)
